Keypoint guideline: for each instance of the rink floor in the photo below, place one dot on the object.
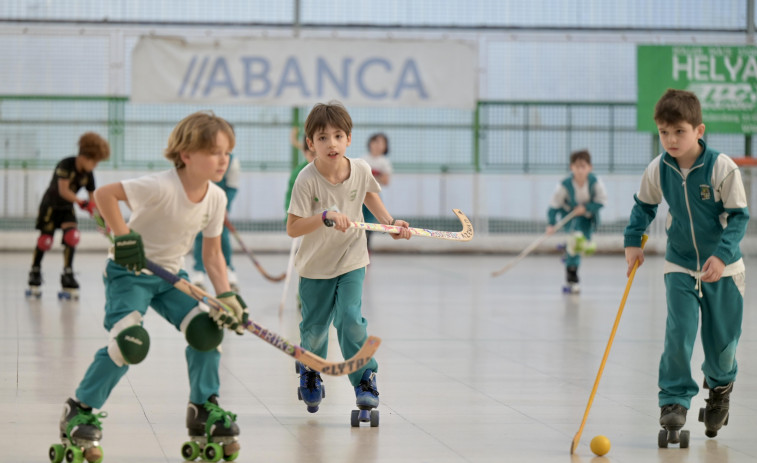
(472, 368)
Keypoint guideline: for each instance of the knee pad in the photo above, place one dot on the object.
(45, 242)
(71, 237)
(201, 331)
(129, 341)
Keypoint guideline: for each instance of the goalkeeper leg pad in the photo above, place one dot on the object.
(129, 341)
(201, 331)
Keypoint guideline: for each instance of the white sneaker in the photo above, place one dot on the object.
(233, 281)
(197, 278)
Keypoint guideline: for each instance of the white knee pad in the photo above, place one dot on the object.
(128, 342)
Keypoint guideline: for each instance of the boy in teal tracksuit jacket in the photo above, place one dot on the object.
(703, 266)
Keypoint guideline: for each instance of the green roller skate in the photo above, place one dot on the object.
(213, 432)
(80, 434)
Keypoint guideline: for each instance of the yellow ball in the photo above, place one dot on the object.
(600, 445)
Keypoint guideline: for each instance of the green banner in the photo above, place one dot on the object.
(724, 79)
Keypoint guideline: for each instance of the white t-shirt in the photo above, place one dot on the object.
(327, 253)
(380, 164)
(167, 220)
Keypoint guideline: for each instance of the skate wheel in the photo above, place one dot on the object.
(662, 439)
(56, 453)
(701, 415)
(231, 457)
(74, 455)
(212, 452)
(354, 419)
(684, 439)
(374, 418)
(190, 450)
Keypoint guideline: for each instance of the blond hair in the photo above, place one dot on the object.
(197, 132)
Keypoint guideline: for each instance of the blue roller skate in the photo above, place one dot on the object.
(366, 395)
(311, 389)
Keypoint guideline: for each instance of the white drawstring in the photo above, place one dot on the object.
(698, 284)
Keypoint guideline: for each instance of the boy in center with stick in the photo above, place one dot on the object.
(331, 262)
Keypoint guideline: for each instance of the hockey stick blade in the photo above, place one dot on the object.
(307, 358)
(260, 268)
(466, 234)
(577, 437)
(534, 245)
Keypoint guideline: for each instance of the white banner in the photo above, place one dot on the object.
(299, 72)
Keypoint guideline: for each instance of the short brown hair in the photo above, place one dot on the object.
(333, 114)
(93, 146)
(678, 106)
(580, 155)
(197, 132)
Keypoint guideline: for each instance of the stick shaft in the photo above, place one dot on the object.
(306, 357)
(577, 437)
(535, 244)
(249, 253)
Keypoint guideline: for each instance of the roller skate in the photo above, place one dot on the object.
(311, 389)
(213, 432)
(672, 419)
(35, 283)
(715, 414)
(80, 434)
(366, 396)
(69, 285)
(571, 285)
(583, 246)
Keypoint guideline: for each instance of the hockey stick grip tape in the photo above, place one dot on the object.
(161, 272)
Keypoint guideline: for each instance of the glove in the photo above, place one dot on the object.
(129, 251)
(88, 206)
(237, 305)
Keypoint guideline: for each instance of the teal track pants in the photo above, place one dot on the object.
(721, 306)
(337, 300)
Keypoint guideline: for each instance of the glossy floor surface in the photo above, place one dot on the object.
(472, 368)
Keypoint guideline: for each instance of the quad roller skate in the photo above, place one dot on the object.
(69, 285)
(213, 432)
(35, 283)
(80, 434)
(366, 396)
(571, 284)
(311, 389)
(233, 280)
(715, 414)
(672, 419)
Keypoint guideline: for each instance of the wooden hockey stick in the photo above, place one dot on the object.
(260, 268)
(307, 358)
(535, 244)
(577, 437)
(466, 234)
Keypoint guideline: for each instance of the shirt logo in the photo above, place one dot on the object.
(353, 195)
(705, 192)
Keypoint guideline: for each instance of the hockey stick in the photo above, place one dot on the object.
(307, 358)
(535, 244)
(260, 268)
(577, 437)
(466, 234)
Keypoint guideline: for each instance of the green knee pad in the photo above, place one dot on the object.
(129, 346)
(202, 333)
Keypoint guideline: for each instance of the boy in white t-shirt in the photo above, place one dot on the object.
(331, 262)
(167, 210)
